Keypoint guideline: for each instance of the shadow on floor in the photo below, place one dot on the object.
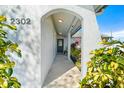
(60, 66)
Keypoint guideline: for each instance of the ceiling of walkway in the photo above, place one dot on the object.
(65, 22)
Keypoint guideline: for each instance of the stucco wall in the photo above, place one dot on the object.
(48, 46)
(30, 69)
(65, 43)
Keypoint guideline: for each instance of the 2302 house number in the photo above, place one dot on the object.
(22, 21)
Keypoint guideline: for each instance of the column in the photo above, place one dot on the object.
(90, 38)
(69, 45)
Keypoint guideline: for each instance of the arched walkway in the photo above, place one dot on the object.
(50, 34)
(59, 64)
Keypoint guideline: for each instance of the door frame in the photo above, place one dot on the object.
(62, 45)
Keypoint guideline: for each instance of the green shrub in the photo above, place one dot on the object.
(106, 68)
(77, 54)
(6, 48)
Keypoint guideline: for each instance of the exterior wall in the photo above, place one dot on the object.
(89, 39)
(65, 43)
(30, 69)
(48, 46)
(89, 7)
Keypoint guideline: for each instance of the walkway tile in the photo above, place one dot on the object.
(63, 74)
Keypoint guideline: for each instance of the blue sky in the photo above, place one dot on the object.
(112, 19)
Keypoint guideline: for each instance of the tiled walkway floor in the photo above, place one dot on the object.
(63, 74)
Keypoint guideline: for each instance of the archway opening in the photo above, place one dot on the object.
(57, 28)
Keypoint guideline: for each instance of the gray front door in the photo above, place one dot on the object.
(60, 45)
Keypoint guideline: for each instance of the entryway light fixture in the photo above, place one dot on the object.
(60, 20)
(60, 33)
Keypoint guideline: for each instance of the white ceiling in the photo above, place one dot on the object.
(70, 23)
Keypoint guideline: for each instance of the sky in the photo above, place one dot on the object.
(112, 19)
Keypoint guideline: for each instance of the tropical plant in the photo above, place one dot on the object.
(106, 67)
(7, 47)
(76, 53)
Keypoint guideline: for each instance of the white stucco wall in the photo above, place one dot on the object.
(48, 46)
(65, 43)
(28, 68)
(32, 68)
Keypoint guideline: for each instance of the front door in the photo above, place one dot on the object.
(60, 45)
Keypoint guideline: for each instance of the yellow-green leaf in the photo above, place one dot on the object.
(5, 84)
(104, 78)
(12, 27)
(114, 65)
(96, 77)
(2, 18)
(1, 80)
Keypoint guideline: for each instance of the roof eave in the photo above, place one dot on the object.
(100, 9)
